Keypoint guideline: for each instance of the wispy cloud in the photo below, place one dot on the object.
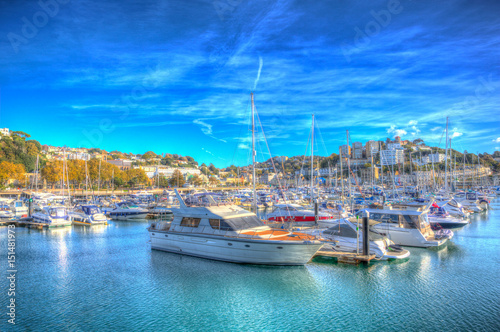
(258, 74)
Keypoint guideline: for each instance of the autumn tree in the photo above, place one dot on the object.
(213, 181)
(52, 172)
(136, 176)
(11, 171)
(196, 180)
(177, 179)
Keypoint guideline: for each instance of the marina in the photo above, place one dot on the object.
(229, 165)
(108, 269)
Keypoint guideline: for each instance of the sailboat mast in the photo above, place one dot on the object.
(253, 156)
(36, 174)
(446, 160)
(349, 169)
(341, 175)
(312, 160)
(463, 172)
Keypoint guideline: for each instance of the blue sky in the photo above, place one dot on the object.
(176, 76)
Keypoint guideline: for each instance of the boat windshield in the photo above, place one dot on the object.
(57, 212)
(91, 210)
(342, 230)
(236, 224)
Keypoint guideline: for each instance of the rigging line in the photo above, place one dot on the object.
(305, 154)
(241, 129)
(321, 137)
(272, 162)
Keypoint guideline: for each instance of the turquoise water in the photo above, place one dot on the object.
(107, 278)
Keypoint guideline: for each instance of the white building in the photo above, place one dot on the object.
(391, 157)
(393, 146)
(5, 131)
(78, 156)
(357, 150)
(371, 148)
(166, 171)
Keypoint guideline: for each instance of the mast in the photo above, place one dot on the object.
(446, 160)
(312, 160)
(463, 172)
(86, 181)
(99, 183)
(36, 174)
(349, 170)
(64, 163)
(341, 175)
(253, 156)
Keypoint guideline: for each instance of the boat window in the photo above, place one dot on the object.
(383, 217)
(240, 223)
(190, 222)
(471, 196)
(410, 221)
(214, 223)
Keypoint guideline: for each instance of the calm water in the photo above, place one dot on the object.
(107, 278)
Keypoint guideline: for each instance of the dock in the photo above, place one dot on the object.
(344, 257)
(28, 223)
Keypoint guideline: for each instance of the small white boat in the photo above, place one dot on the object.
(127, 211)
(88, 215)
(345, 238)
(439, 218)
(52, 216)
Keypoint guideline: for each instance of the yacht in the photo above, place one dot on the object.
(471, 201)
(298, 214)
(407, 227)
(5, 211)
(88, 215)
(52, 216)
(346, 238)
(454, 208)
(229, 233)
(439, 218)
(126, 211)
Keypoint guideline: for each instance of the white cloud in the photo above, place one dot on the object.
(497, 140)
(415, 131)
(258, 73)
(396, 132)
(456, 134)
(413, 122)
(435, 128)
(207, 129)
(243, 146)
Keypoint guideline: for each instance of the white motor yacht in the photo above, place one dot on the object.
(230, 233)
(407, 227)
(346, 238)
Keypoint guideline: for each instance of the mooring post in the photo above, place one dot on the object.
(366, 234)
(316, 212)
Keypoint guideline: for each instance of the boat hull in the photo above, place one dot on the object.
(409, 237)
(235, 250)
